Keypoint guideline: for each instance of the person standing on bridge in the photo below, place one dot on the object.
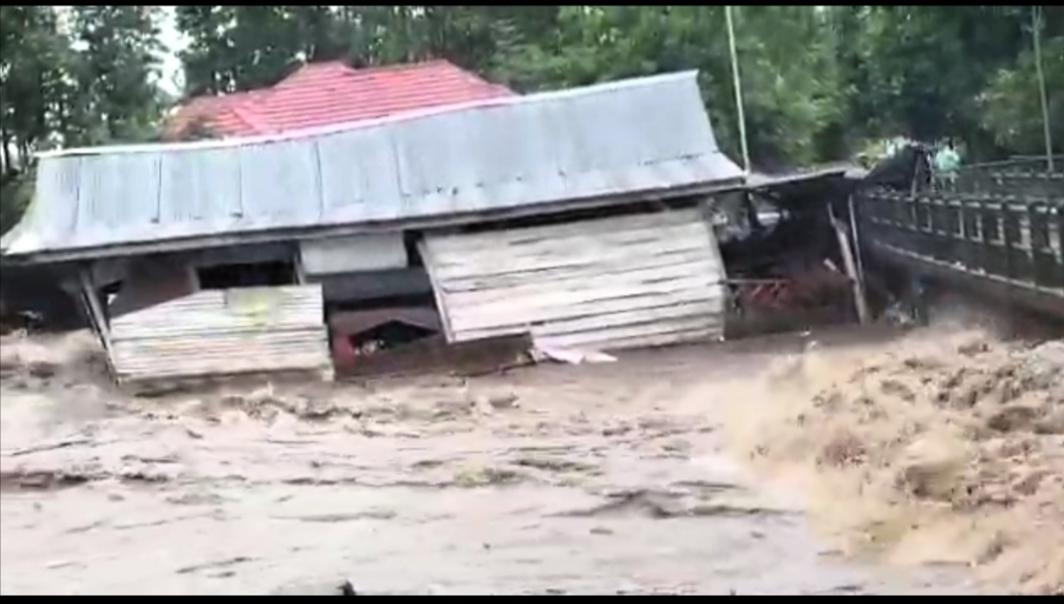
(947, 164)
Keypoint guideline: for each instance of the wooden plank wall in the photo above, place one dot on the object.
(619, 282)
(215, 332)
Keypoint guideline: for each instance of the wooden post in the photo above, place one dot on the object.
(301, 272)
(97, 318)
(856, 238)
(193, 278)
(851, 269)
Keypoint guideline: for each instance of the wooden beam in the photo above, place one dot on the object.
(851, 268)
(856, 238)
(297, 266)
(441, 307)
(193, 278)
(97, 317)
(95, 308)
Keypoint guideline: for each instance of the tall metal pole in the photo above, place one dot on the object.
(741, 114)
(1036, 24)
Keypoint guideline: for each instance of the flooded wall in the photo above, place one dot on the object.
(222, 332)
(619, 282)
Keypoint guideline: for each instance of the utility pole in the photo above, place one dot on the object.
(1036, 25)
(738, 88)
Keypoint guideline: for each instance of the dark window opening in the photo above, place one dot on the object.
(388, 336)
(112, 288)
(229, 276)
(396, 301)
(410, 241)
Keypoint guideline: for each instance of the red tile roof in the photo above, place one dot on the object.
(324, 94)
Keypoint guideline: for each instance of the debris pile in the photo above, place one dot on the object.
(947, 451)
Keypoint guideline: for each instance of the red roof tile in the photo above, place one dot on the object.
(324, 94)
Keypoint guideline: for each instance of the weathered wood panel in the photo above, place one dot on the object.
(356, 253)
(619, 282)
(248, 330)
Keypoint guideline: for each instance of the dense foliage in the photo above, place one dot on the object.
(818, 82)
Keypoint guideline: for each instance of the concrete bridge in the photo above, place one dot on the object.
(996, 230)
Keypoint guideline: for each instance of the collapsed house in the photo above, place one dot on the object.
(579, 217)
(316, 94)
(788, 246)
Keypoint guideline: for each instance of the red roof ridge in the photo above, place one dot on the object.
(249, 117)
(345, 69)
(332, 92)
(403, 66)
(311, 70)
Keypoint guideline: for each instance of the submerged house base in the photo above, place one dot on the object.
(633, 279)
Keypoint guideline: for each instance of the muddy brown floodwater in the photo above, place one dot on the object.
(592, 479)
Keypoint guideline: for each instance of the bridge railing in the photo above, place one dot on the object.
(1012, 238)
(1024, 176)
(1022, 163)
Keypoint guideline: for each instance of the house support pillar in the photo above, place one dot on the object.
(93, 307)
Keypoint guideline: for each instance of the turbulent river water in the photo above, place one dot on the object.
(591, 479)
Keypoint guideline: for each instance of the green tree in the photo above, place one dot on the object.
(72, 76)
(791, 90)
(33, 58)
(117, 69)
(929, 71)
(1011, 109)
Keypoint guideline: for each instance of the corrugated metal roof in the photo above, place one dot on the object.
(322, 94)
(757, 180)
(646, 134)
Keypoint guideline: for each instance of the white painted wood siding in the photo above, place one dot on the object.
(620, 282)
(371, 252)
(218, 332)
